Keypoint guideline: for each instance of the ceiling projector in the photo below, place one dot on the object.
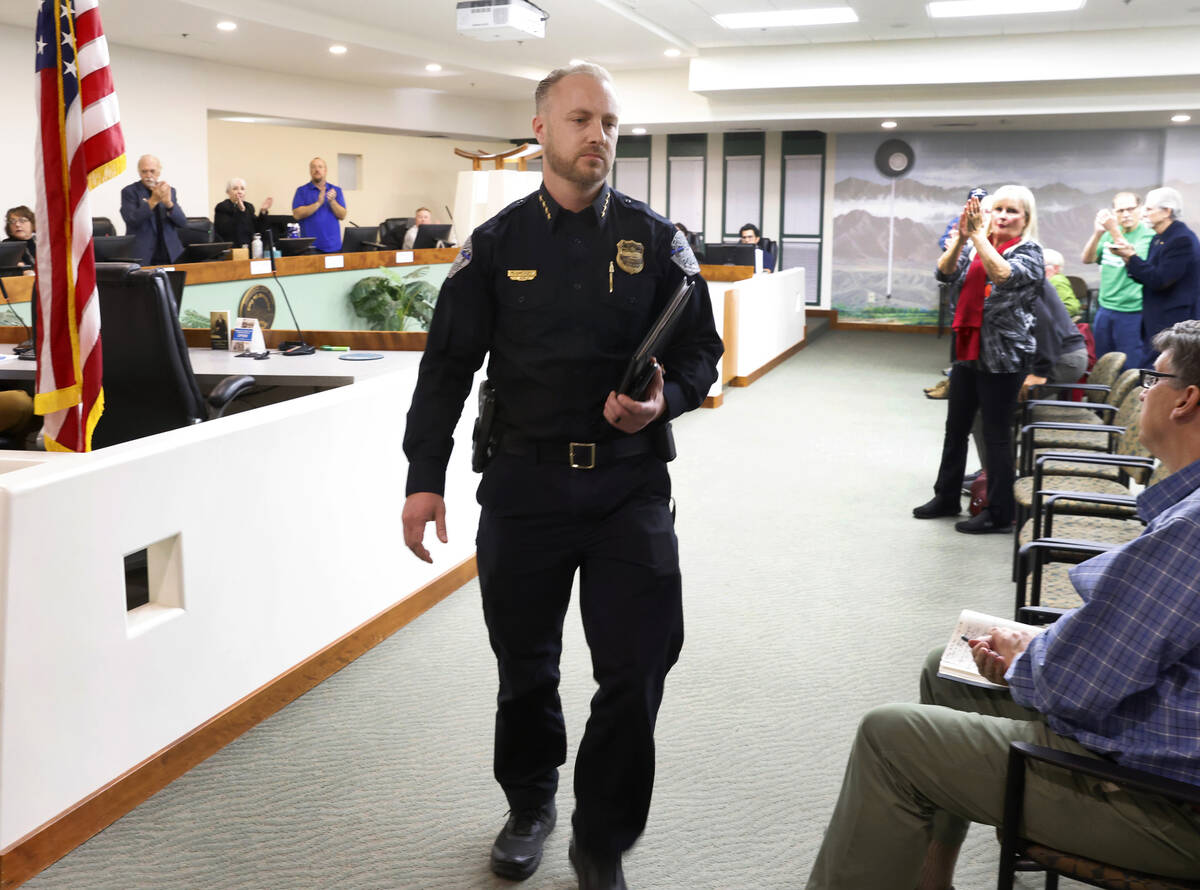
(500, 19)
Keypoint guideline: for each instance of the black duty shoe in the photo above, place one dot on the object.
(595, 873)
(938, 507)
(517, 852)
(983, 524)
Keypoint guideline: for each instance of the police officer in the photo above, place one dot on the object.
(560, 288)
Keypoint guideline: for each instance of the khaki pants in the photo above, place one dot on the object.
(926, 771)
(16, 411)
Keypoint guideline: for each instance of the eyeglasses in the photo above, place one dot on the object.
(13, 220)
(1150, 377)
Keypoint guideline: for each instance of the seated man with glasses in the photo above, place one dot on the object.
(1117, 678)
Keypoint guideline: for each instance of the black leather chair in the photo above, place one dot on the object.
(199, 230)
(768, 245)
(149, 386)
(391, 232)
(102, 225)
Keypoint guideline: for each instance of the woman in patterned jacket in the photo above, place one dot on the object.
(998, 270)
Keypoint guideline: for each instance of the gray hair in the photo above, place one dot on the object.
(1182, 340)
(237, 180)
(1052, 256)
(1166, 198)
(546, 83)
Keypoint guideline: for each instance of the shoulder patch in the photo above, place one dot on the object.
(682, 256)
(461, 261)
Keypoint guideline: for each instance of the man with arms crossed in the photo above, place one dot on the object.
(560, 288)
(1117, 325)
(320, 206)
(1117, 678)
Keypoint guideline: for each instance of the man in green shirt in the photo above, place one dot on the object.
(1118, 322)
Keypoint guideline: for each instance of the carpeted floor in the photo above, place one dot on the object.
(810, 594)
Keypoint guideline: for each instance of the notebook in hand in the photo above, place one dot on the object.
(957, 662)
(640, 370)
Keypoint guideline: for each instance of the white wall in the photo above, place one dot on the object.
(165, 101)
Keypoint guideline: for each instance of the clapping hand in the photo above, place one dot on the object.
(266, 204)
(971, 222)
(330, 196)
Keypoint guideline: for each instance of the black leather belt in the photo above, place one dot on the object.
(578, 455)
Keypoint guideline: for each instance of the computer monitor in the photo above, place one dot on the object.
(114, 249)
(278, 223)
(12, 254)
(205, 252)
(294, 246)
(729, 254)
(353, 238)
(429, 236)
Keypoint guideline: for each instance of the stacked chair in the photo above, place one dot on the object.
(1073, 490)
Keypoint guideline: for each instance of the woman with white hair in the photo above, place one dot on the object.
(998, 271)
(1170, 273)
(234, 219)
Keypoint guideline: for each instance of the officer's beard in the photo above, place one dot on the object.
(570, 170)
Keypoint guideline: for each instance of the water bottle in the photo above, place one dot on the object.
(256, 248)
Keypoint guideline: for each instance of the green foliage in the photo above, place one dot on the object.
(394, 302)
(890, 314)
(190, 318)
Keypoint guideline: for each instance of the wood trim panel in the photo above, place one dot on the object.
(730, 338)
(726, 273)
(47, 844)
(310, 264)
(871, 326)
(713, 401)
(19, 288)
(782, 357)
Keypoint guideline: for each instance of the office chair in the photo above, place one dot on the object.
(102, 225)
(1015, 849)
(149, 386)
(199, 230)
(768, 245)
(391, 232)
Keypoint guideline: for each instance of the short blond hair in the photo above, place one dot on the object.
(547, 83)
(1028, 203)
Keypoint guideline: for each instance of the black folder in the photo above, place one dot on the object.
(640, 370)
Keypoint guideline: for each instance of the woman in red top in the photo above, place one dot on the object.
(999, 271)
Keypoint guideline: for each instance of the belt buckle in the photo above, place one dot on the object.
(575, 462)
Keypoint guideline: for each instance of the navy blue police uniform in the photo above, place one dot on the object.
(560, 301)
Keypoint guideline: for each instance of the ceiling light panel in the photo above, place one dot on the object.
(787, 18)
(956, 9)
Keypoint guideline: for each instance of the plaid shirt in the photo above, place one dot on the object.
(1121, 674)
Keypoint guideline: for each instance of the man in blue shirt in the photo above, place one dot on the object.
(320, 206)
(1117, 678)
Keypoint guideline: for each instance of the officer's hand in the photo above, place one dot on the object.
(630, 416)
(421, 507)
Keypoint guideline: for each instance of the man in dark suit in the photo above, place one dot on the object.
(1170, 273)
(152, 215)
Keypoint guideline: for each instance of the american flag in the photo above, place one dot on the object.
(79, 146)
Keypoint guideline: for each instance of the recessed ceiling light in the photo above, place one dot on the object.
(337, 49)
(672, 52)
(953, 9)
(638, 131)
(226, 26)
(1180, 118)
(433, 67)
(787, 18)
(889, 125)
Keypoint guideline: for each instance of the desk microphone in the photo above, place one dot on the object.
(20, 350)
(287, 347)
